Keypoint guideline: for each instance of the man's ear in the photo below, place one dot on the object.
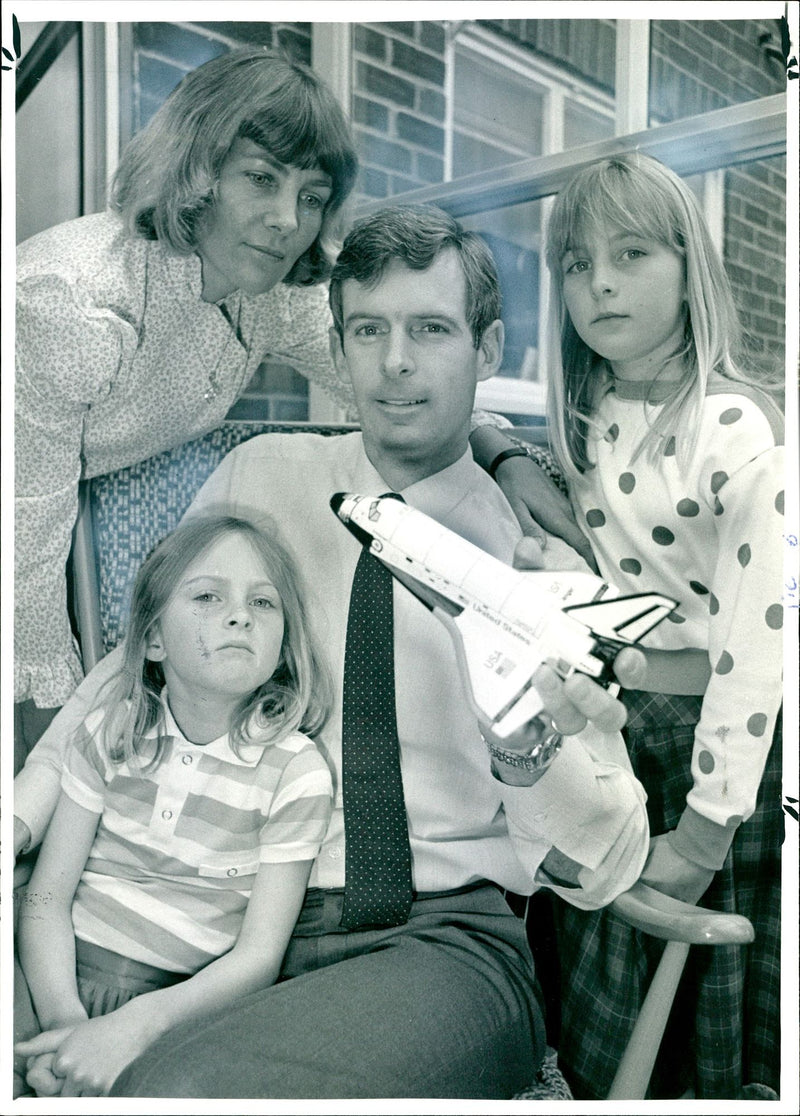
(337, 354)
(490, 350)
(154, 648)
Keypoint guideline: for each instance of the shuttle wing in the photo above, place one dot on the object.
(504, 622)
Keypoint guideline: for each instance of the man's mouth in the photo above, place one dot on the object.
(401, 402)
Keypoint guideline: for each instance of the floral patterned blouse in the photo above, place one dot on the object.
(119, 358)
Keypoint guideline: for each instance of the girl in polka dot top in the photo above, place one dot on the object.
(674, 460)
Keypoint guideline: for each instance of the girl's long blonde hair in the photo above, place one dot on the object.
(638, 193)
(296, 698)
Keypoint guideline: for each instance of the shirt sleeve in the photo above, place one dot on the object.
(744, 695)
(300, 812)
(37, 786)
(66, 358)
(590, 808)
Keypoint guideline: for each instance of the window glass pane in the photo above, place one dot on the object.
(700, 65)
(492, 102)
(584, 125)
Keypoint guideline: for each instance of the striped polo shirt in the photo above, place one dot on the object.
(177, 848)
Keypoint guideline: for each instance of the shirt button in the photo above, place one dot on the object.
(186, 759)
(335, 852)
(233, 871)
(166, 814)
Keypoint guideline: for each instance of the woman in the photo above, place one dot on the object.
(138, 328)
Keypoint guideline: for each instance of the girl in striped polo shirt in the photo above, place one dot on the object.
(192, 807)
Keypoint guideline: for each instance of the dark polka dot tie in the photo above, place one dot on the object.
(378, 855)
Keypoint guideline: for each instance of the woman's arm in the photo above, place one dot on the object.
(46, 935)
(92, 1056)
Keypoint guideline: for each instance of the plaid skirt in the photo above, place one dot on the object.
(723, 1037)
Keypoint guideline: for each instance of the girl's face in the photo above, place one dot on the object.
(220, 636)
(626, 297)
(265, 216)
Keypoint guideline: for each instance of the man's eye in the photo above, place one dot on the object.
(432, 327)
(366, 331)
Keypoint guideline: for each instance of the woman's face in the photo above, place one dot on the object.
(266, 214)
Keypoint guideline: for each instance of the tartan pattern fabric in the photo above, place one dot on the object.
(723, 1037)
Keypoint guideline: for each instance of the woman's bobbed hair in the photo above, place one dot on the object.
(638, 193)
(297, 697)
(167, 178)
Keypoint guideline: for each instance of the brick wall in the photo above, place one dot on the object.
(399, 105)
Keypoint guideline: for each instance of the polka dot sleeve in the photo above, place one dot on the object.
(745, 641)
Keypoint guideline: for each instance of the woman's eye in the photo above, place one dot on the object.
(311, 201)
(260, 178)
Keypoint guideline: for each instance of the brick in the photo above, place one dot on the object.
(373, 183)
(418, 131)
(432, 103)
(188, 48)
(407, 29)
(369, 79)
(429, 167)
(415, 62)
(371, 113)
(768, 285)
(376, 150)
(241, 31)
(400, 184)
(431, 35)
(370, 42)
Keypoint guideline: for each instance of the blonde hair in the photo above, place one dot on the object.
(296, 698)
(638, 193)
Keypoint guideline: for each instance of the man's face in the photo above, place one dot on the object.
(409, 356)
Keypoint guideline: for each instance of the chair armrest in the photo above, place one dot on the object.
(660, 915)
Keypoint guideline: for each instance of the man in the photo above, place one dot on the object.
(440, 1001)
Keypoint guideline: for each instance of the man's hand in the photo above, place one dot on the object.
(669, 872)
(538, 503)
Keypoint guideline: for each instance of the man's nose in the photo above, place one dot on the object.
(398, 357)
(281, 210)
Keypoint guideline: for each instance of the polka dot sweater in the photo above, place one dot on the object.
(709, 535)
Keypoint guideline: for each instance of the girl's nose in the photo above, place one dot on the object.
(602, 279)
(281, 210)
(239, 617)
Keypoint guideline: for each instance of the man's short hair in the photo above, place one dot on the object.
(415, 235)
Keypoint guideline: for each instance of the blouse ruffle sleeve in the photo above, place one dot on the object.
(67, 354)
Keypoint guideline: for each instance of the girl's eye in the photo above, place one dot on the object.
(206, 598)
(264, 603)
(577, 267)
(633, 253)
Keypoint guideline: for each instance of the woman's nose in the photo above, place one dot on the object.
(281, 210)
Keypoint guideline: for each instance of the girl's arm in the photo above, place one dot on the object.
(46, 936)
(535, 500)
(92, 1056)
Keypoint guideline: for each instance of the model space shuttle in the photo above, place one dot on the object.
(504, 622)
